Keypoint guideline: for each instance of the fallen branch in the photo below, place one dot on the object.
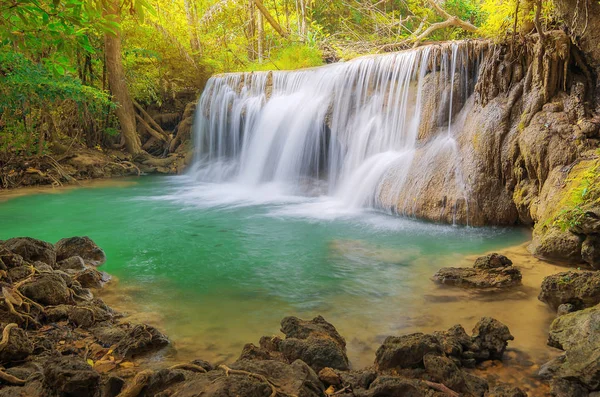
(451, 20)
(189, 367)
(151, 120)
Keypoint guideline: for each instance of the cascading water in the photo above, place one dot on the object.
(378, 131)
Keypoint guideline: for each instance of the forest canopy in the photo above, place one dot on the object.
(76, 68)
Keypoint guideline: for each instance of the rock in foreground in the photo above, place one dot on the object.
(492, 271)
(580, 289)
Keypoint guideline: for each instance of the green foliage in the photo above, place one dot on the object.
(289, 58)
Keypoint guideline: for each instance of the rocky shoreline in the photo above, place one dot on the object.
(60, 340)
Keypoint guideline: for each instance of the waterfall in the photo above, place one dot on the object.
(379, 131)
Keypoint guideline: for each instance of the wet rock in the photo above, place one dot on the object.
(112, 386)
(47, 289)
(70, 376)
(109, 335)
(590, 251)
(329, 377)
(406, 351)
(18, 346)
(566, 388)
(565, 308)
(490, 335)
(490, 271)
(19, 273)
(204, 364)
(444, 370)
(73, 263)
(492, 261)
(43, 267)
(32, 250)
(80, 246)
(316, 342)
(90, 278)
(589, 223)
(141, 339)
(578, 334)
(253, 352)
(558, 245)
(580, 289)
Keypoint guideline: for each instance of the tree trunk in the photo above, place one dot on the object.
(118, 86)
(264, 12)
(261, 37)
(251, 30)
(192, 25)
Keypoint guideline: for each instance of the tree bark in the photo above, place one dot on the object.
(251, 30)
(261, 37)
(118, 86)
(263, 11)
(192, 25)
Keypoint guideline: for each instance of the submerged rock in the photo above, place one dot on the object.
(32, 250)
(490, 271)
(580, 289)
(80, 246)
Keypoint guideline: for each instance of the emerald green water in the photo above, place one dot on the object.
(215, 272)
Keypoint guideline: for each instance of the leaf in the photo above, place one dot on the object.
(126, 364)
(90, 361)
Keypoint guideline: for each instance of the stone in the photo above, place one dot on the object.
(444, 370)
(18, 346)
(47, 289)
(578, 334)
(83, 247)
(557, 245)
(71, 376)
(9, 259)
(90, 278)
(589, 223)
(71, 263)
(406, 351)
(565, 308)
(590, 251)
(141, 339)
(32, 250)
(492, 261)
(493, 278)
(394, 386)
(293, 327)
(329, 377)
(491, 335)
(506, 391)
(580, 289)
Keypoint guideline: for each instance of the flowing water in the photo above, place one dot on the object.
(291, 208)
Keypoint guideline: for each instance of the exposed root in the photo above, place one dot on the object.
(13, 380)
(189, 367)
(260, 377)
(137, 384)
(442, 388)
(6, 335)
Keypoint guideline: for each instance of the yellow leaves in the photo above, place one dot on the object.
(330, 391)
(90, 362)
(126, 364)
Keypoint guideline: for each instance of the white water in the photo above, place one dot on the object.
(347, 133)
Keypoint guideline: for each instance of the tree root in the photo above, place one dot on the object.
(189, 367)
(442, 388)
(139, 382)
(251, 374)
(13, 380)
(6, 335)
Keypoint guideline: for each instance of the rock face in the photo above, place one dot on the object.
(578, 334)
(83, 247)
(579, 289)
(490, 271)
(47, 289)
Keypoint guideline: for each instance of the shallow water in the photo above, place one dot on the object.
(216, 267)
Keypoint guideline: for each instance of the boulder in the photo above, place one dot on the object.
(580, 289)
(506, 391)
(491, 336)
(18, 346)
(329, 377)
(489, 271)
(83, 247)
(90, 278)
(72, 263)
(70, 376)
(492, 261)
(316, 342)
(557, 245)
(578, 334)
(394, 386)
(9, 259)
(590, 251)
(589, 223)
(406, 351)
(47, 289)
(32, 250)
(141, 339)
